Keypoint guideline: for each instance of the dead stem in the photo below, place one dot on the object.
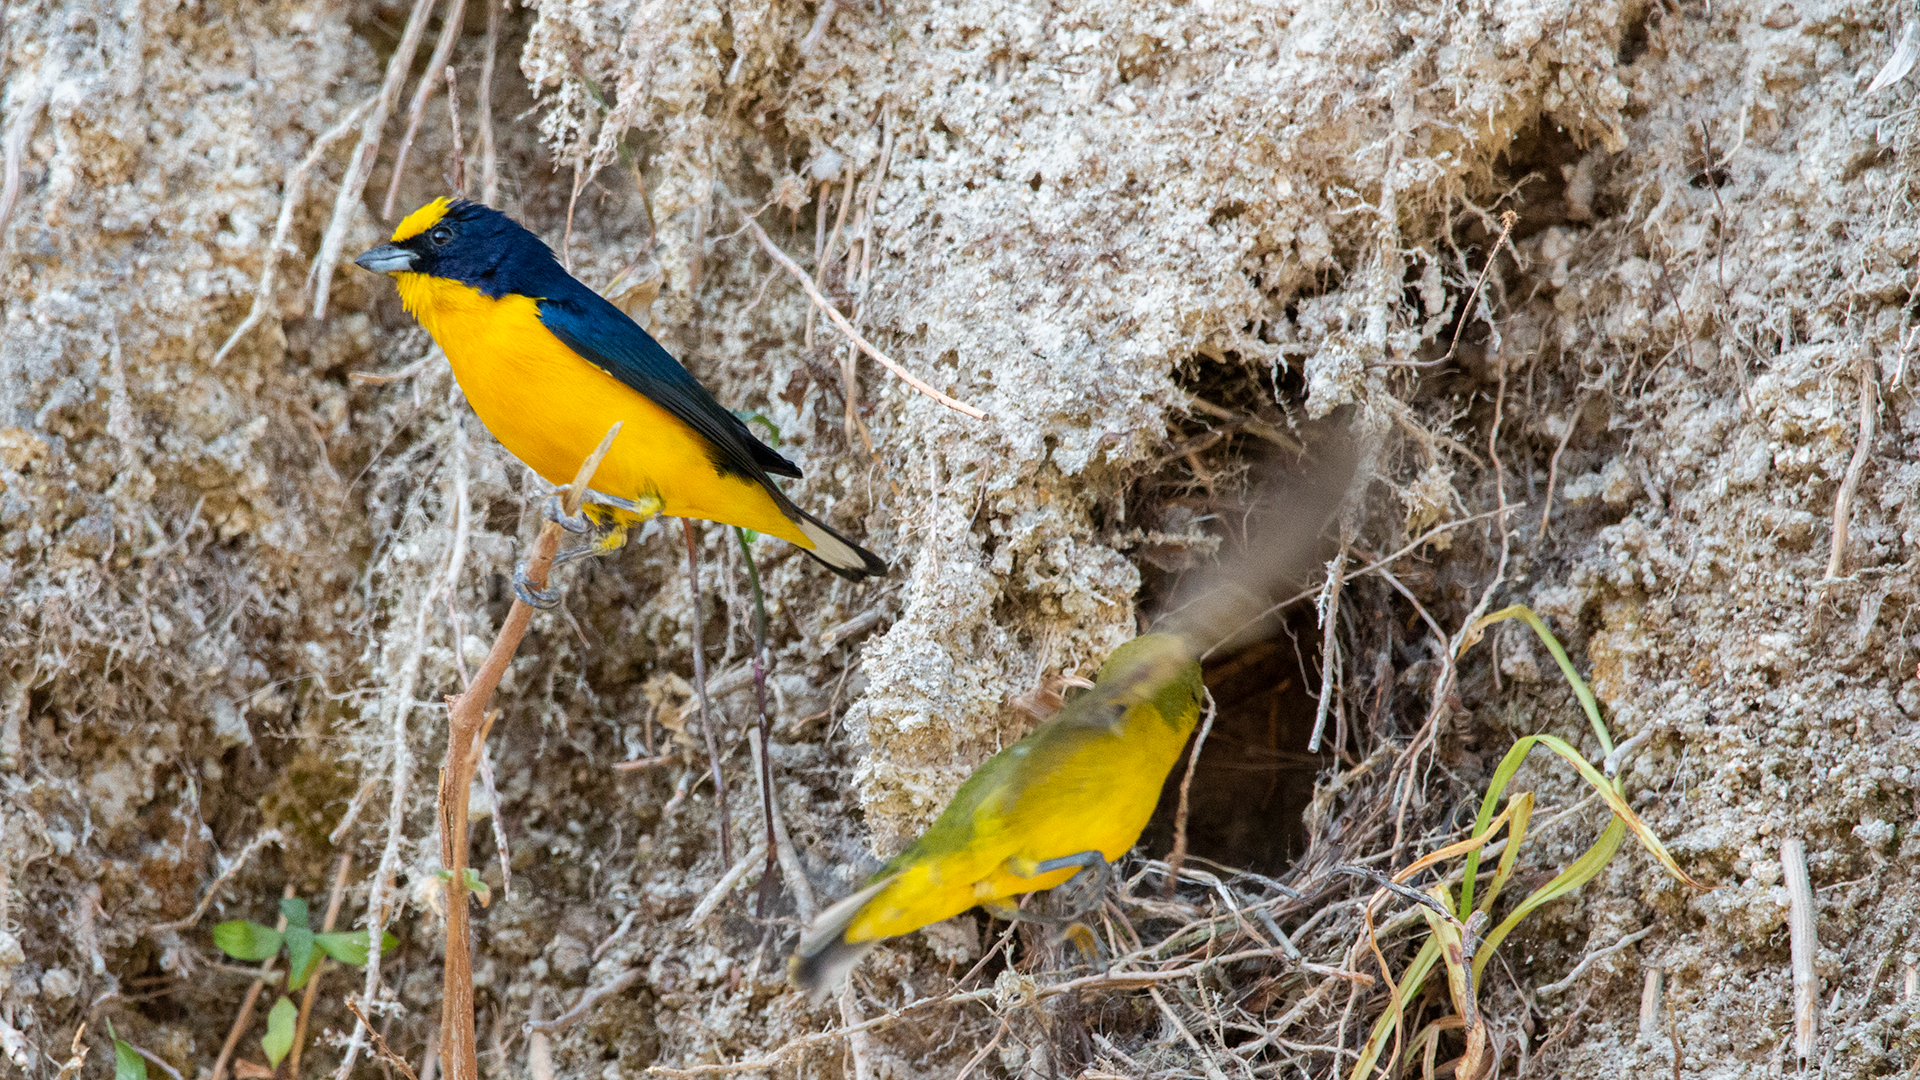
(252, 998)
(1179, 853)
(457, 155)
(450, 24)
(468, 718)
(155, 1059)
(585, 1005)
(313, 983)
(346, 203)
(1862, 454)
(700, 691)
(380, 1048)
(846, 328)
(1553, 463)
(18, 133)
(489, 158)
(1107, 980)
(270, 836)
(1804, 944)
(292, 191)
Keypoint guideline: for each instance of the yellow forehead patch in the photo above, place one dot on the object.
(422, 219)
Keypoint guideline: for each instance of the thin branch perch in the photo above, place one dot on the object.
(467, 722)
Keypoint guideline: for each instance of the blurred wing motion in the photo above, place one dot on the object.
(1279, 552)
(1084, 783)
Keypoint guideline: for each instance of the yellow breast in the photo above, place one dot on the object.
(550, 408)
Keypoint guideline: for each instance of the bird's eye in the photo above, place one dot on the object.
(440, 235)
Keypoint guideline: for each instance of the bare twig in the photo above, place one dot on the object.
(1206, 1059)
(1862, 454)
(585, 1005)
(839, 320)
(489, 159)
(468, 718)
(821, 22)
(762, 734)
(539, 1046)
(401, 704)
(346, 203)
(1329, 618)
(154, 1058)
(1803, 945)
(252, 998)
(291, 193)
(451, 21)
(270, 836)
(18, 134)
(339, 892)
(858, 1042)
(700, 691)
(380, 1048)
(728, 880)
(980, 1054)
(1553, 463)
(1591, 959)
(1179, 853)
(457, 155)
(1107, 980)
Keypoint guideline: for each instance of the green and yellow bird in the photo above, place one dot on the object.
(1068, 799)
(549, 366)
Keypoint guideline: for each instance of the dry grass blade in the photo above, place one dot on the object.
(270, 836)
(380, 1048)
(417, 110)
(1804, 944)
(346, 203)
(291, 194)
(18, 133)
(334, 898)
(839, 320)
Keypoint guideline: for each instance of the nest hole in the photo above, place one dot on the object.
(1254, 780)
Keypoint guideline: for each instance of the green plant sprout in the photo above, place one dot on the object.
(244, 939)
(1450, 935)
(127, 1062)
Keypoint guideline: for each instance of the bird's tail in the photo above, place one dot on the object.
(836, 552)
(824, 957)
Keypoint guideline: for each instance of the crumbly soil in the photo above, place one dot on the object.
(1159, 244)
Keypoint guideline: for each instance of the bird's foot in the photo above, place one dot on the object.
(556, 511)
(523, 587)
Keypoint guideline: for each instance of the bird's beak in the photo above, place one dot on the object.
(386, 259)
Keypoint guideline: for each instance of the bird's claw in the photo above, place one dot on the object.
(556, 512)
(524, 589)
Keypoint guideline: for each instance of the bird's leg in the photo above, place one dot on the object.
(612, 539)
(1094, 875)
(1080, 895)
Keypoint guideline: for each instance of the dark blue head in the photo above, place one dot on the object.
(470, 243)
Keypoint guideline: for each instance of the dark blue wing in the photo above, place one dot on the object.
(602, 333)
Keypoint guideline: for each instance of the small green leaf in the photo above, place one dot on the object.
(279, 1037)
(295, 909)
(350, 947)
(246, 940)
(480, 889)
(750, 416)
(302, 957)
(127, 1062)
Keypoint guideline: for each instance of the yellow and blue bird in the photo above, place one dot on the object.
(549, 366)
(1066, 800)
